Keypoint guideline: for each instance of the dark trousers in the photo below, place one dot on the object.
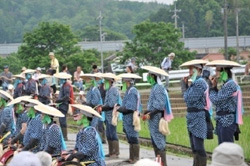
(111, 132)
(225, 134)
(132, 140)
(63, 121)
(197, 145)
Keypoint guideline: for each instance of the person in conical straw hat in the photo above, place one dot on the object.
(33, 134)
(64, 99)
(198, 106)
(52, 140)
(130, 108)
(158, 110)
(112, 98)
(45, 90)
(31, 87)
(18, 85)
(20, 119)
(186, 81)
(88, 142)
(228, 101)
(93, 97)
(6, 117)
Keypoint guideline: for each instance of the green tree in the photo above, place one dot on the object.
(209, 19)
(45, 38)
(153, 41)
(85, 59)
(14, 63)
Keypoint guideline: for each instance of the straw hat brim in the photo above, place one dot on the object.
(48, 110)
(6, 94)
(86, 110)
(129, 75)
(223, 63)
(42, 76)
(87, 76)
(62, 75)
(194, 62)
(155, 70)
(110, 76)
(29, 71)
(18, 76)
(18, 100)
(32, 101)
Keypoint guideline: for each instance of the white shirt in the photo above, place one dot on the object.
(166, 63)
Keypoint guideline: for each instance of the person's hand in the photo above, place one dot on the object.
(117, 106)
(214, 82)
(99, 109)
(146, 117)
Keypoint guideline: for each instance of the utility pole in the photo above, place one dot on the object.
(101, 37)
(175, 16)
(225, 29)
(237, 31)
(183, 31)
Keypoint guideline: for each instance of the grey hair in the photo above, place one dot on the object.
(45, 158)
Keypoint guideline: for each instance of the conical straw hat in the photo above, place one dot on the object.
(29, 71)
(129, 75)
(62, 75)
(155, 70)
(194, 62)
(5, 94)
(18, 76)
(88, 75)
(18, 100)
(45, 109)
(110, 76)
(223, 63)
(42, 76)
(32, 102)
(86, 110)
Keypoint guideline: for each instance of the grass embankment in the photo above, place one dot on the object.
(179, 135)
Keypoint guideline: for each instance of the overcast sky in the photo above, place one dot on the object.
(160, 1)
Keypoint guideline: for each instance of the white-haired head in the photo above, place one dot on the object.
(25, 158)
(146, 162)
(171, 54)
(45, 158)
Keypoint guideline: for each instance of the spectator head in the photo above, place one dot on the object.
(78, 69)
(228, 153)
(23, 69)
(146, 162)
(38, 70)
(25, 158)
(94, 69)
(133, 60)
(51, 55)
(6, 68)
(171, 55)
(64, 68)
(129, 68)
(45, 158)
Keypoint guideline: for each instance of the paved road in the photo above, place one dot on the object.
(124, 154)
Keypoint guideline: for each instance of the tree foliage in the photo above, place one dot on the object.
(205, 18)
(45, 38)
(19, 17)
(14, 63)
(154, 41)
(54, 37)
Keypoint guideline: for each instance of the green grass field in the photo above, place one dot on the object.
(179, 135)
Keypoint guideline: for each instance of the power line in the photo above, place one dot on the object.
(175, 16)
